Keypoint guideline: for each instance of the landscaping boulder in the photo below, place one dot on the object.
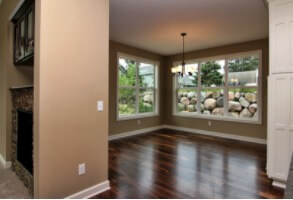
(193, 100)
(190, 95)
(250, 97)
(220, 102)
(148, 99)
(234, 106)
(190, 108)
(231, 96)
(243, 102)
(181, 107)
(206, 112)
(233, 114)
(210, 104)
(252, 108)
(245, 113)
(184, 101)
(184, 94)
(218, 111)
(237, 95)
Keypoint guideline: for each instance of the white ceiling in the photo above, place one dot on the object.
(155, 25)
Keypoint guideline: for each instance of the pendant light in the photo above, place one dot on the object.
(180, 70)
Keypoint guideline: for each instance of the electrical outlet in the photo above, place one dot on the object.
(209, 123)
(138, 122)
(81, 169)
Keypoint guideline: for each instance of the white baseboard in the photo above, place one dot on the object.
(279, 184)
(91, 191)
(217, 134)
(190, 130)
(136, 132)
(3, 162)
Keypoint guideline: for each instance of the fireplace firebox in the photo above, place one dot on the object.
(25, 139)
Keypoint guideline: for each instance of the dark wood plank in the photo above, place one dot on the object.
(170, 164)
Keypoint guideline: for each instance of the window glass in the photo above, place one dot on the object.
(212, 101)
(243, 71)
(146, 100)
(212, 73)
(126, 101)
(191, 78)
(187, 100)
(127, 72)
(146, 75)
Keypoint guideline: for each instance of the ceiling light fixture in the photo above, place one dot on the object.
(180, 70)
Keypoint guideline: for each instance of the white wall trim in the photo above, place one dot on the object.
(279, 184)
(136, 132)
(91, 191)
(217, 134)
(3, 162)
(190, 130)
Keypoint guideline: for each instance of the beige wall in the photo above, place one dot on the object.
(116, 127)
(71, 75)
(242, 129)
(10, 76)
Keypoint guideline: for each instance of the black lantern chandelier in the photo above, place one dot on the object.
(180, 70)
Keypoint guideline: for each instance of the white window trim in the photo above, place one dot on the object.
(155, 88)
(225, 87)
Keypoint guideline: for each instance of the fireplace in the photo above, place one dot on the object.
(22, 135)
(25, 139)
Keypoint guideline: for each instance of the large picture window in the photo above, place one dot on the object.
(224, 88)
(137, 87)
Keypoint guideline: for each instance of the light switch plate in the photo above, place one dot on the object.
(81, 169)
(100, 106)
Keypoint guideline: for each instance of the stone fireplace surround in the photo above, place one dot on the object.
(22, 98)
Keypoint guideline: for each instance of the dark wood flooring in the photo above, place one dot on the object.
(169, 164)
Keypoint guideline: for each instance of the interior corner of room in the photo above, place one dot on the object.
(115, 99)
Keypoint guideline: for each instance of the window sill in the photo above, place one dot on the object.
(219, 118)
(139, 116)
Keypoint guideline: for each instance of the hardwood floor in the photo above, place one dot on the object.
(170, 164)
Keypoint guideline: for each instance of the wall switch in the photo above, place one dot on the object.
(81, 169)
(138, 122)
(100, 106)
(209, 123)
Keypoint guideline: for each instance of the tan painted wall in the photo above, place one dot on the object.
(10, 76)
(116, 127)
(242, 129)
(71, 75)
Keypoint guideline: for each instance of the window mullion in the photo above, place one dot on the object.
(137, 90)
(226, 90)
(198, 103)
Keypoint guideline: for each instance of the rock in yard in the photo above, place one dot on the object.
(190, 95)
(181, 107)
(234, 106)
(193, 100)
(190, 108)
(210, 104)
(148, 99)
(206, 112)
(245, 113)
(231, 96)
(252, 108)
(250, 97)
(233, 114)
(220, 102)
(243, 102)
(218, 111)
(201, 107)
(184, 94)
(237, 95)
(184, 101)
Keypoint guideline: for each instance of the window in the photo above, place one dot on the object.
(224, 88)
(137, 87)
